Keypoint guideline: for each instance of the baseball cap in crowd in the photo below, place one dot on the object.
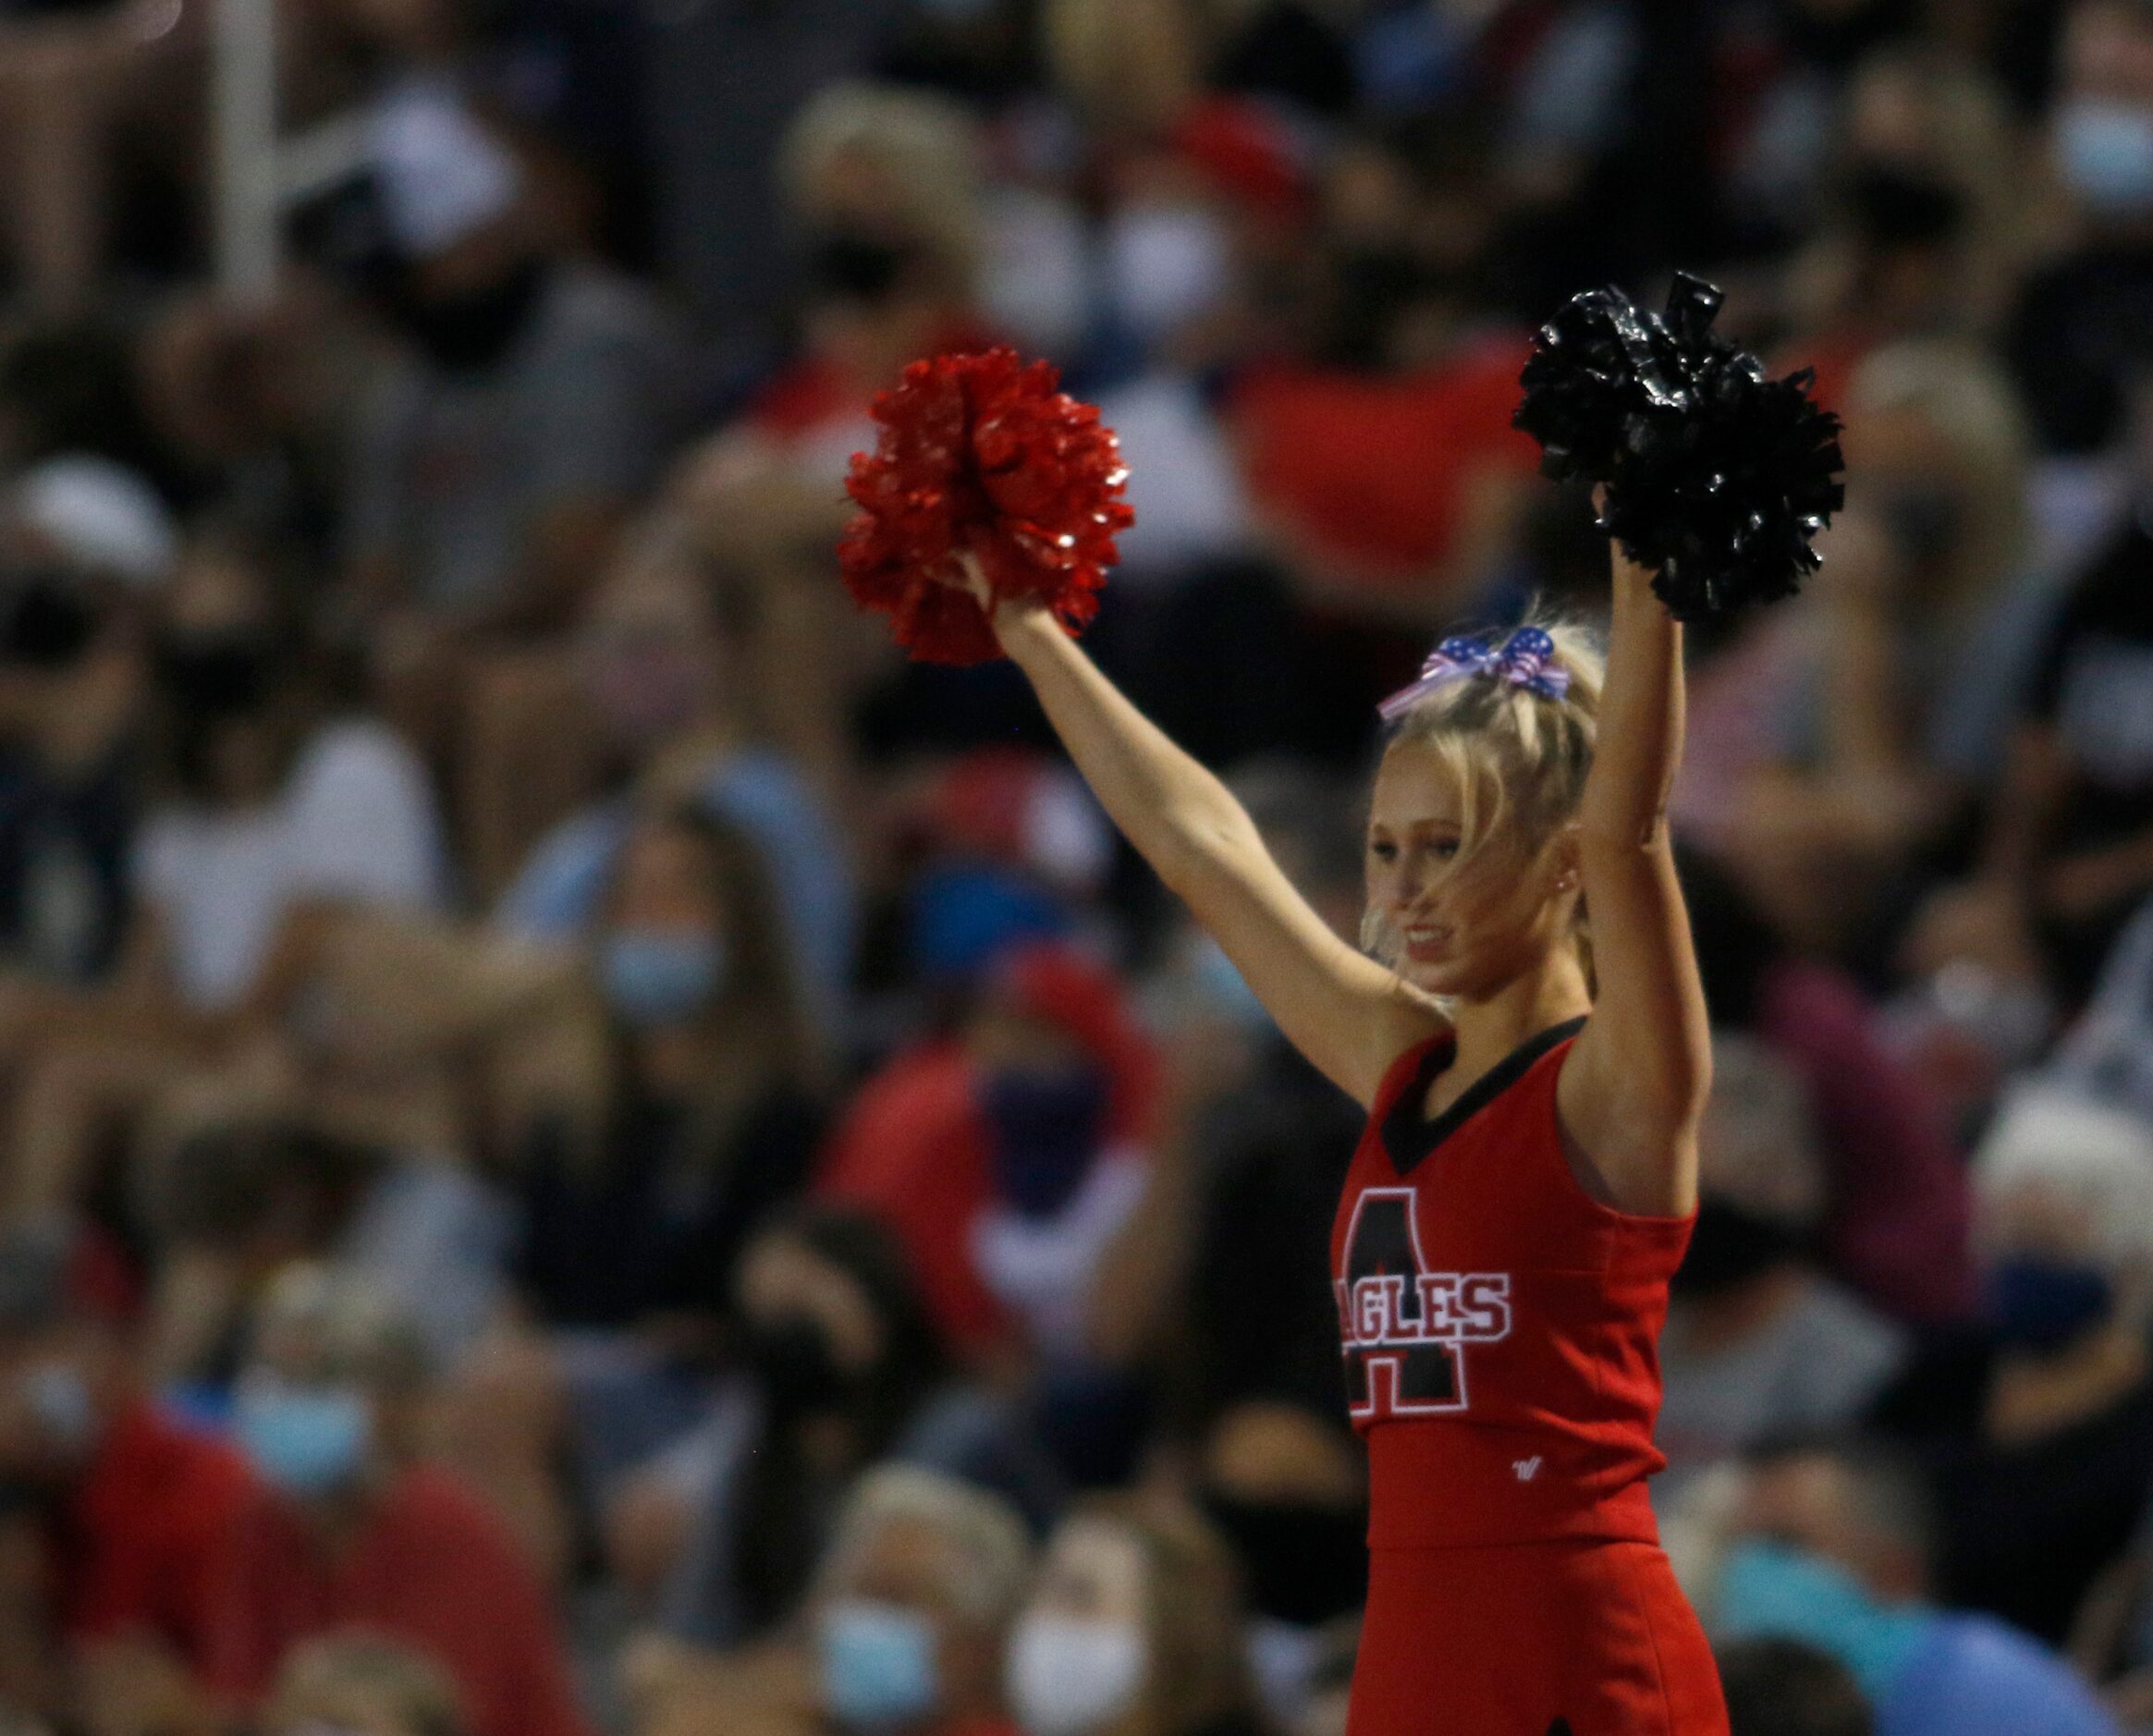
(96, 517)
(442, 176)
(2099, 1153)
(406, 178)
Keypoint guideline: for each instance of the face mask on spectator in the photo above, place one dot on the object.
(1766, 1588)
(2044, 1305)
(877, 1663)
(1165, 265)
(1923, 523)
(2106, 151)
(1045, 1129)
(44, 623)
(57, 1396)
(796, 1367)
(226, 672)
(1729, 1246)
(475, 329)
(1068, 1675)
(305, 1440)
(656, 976)
(852, 265)
(1304, 1563)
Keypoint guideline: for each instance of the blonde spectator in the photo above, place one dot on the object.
(888, 157)
(2041, 1426)
(363, 1684)
(914, 1603)
(1133, 1629)
(331, 1407)
(1828, 757)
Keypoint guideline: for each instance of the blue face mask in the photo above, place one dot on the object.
(656, 976)
(1770, 1590)
(2106, 151)
(304, 1440)
(1045, 1129)
(877, 1663)
(2044, 1305)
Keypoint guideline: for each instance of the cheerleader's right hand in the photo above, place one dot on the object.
(967, 575)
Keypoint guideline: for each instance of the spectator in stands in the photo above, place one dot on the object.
(1758, 1342)
(73, 688)
(1850, 704)
(1897, 1205)
(353, 1529)
(1134, 1626)
(498, 457)
(1010, 1198)
(1405, 358)
(1286, 1487)
(2068, 852)
(250, 1189)
(1784, 1688)
(2040, 1427)
(697, 697)
(2082, 318)
(118, 1514)
(363, 1685)
(841, 1369)
(913, 1604)
(881, 190)
(634, 1198)
(1834, 1548)
(278, 802)
(712, 1108)
(903, 1630)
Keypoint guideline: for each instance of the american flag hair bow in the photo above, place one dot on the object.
(1527, 659)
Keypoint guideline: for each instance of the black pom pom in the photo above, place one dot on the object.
(1717, 477)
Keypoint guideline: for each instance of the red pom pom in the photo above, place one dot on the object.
(982, 452)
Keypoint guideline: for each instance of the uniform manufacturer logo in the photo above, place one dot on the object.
(1528, 1469)
(1405, 1328)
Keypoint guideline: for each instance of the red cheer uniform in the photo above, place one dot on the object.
(1501, 1330)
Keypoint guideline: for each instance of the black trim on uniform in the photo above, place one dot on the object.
(1408, 1136)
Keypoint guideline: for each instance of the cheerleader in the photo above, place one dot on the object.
(1525, 1184)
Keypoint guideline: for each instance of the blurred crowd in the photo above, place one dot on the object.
(582, 1148)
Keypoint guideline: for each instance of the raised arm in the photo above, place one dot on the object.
(1346, 1013)
(1634, 1090)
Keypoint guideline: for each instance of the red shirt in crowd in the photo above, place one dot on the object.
(433, 1567)
(912, 1150)
(135, 1544)
(1373, 469)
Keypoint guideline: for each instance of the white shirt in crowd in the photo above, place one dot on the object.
(354, 822)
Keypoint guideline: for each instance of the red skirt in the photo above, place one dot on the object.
(1576, 1638)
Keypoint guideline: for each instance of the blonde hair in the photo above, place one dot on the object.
(1518, 757)
(1967, 403)
(924, 150)
(982, 1529)
(1198, 1672)
(327, 1675)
